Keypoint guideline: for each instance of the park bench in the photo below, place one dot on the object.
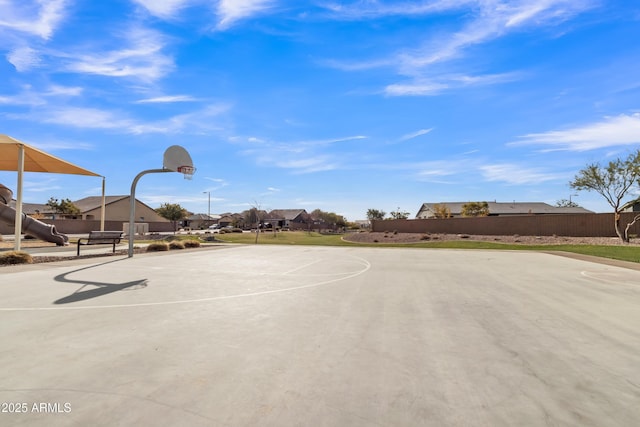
(101, 238)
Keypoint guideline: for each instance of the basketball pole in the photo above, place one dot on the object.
(132, 206)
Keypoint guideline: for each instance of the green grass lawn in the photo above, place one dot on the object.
(623, 253)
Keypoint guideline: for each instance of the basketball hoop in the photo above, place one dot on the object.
(187, 171)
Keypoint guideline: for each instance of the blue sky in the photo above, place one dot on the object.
(337, 105)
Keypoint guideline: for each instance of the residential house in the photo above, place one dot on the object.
(427, 210)
(288, 218)
(117, 208)
(632, 206)
(201, 221)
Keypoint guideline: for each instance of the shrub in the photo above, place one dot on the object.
(158, 247)
(191, 243)
(236, 230)
(177, 244)
(15, 257)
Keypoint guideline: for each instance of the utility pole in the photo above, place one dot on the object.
(209, 208)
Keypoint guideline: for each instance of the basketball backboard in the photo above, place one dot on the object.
(177, 159)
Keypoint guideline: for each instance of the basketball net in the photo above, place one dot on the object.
(187, 171)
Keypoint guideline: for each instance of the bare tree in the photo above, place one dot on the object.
(613, 182)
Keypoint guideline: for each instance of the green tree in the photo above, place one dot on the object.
(172, 212)
(475, 209)
(613, 182)
(328, 218)
(64, 206)
(564, 203)
(399, 214)
(375, 214)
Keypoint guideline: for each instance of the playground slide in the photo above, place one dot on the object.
(30, 226)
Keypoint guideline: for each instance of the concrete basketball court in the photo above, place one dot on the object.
(301, 336)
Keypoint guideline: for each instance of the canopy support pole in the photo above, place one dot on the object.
(18, 221)
(102, 211)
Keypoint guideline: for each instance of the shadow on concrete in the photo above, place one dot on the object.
(100, 289)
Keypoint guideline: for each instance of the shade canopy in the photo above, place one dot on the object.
(35, 160)
(20, 157)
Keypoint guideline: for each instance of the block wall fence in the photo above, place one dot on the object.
(79, 226)
(574, 225)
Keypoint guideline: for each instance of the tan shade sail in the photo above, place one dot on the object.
(35, 160)
(20, 157)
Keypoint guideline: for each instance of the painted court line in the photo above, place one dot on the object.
(364, 262)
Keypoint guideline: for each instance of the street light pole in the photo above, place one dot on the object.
(209, 208)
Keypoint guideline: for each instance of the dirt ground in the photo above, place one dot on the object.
(389, 237)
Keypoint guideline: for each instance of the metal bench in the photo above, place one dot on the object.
(101, 238)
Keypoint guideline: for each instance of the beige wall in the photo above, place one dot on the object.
(119, 211)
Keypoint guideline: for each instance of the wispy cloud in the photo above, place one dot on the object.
(434, 171)
(165, 9)
(24, 58)
(200, 121)
(30, 97)
(309, 164)
(306, 156)
(35, 17)
(360, 9)
(63, 145)
(440, 83)
(230, 11)
(219, 183)
(415, 134)
(486, 20)
(610, 132)
(141, 57)
(87, 118)
(58, 90)
(166, 99)
(517, 174)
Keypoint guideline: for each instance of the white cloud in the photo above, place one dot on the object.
(517, 174)
(165, 9)
(57, 90)
(24, 58)
(88, 118)
(230, 11)
(415, 89)
(33, 98)
(490, 22)
(485, 20)
(166, 99)
(140, 57)
(62, 145)
(415, 134)
(376, 9)
(36, 17)
(92, 118)
(422, 87)
(307, 165)
(610, 132)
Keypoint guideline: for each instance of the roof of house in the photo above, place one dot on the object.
(509, 208)
(32, 208)
(287, 214)
(203, 217)
(95, 202)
